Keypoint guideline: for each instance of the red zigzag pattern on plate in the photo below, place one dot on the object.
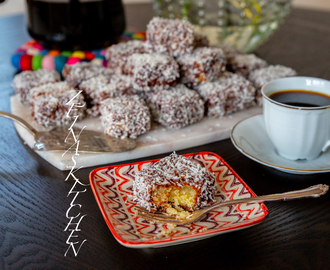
(113, 204)
(114, 186)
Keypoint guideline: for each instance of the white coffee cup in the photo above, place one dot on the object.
(297, 132)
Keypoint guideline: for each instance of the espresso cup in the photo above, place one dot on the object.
(297, 116)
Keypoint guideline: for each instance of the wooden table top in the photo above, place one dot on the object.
(34, 195)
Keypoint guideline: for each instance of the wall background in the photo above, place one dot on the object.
(18, 6)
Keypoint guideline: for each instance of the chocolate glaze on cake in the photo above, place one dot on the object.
(170, 37)
(125, 116)
(262, 76)
(244, 64)
(177, 107)
(26, 80)
(152, 71)
(228, 94)
(102, 87)
(117, 54)
(176, 171)
(77, 73)
(229, 51)
(200, 40)
(203, 64)
(50, 104)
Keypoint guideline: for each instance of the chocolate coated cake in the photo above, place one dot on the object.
(175, 184)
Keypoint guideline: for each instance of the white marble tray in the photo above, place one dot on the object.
(157, 141)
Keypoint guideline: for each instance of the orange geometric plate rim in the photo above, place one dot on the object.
(178, 239)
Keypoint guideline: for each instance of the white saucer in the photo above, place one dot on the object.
(250, 137)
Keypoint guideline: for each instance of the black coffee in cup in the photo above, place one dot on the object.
(76, 24)
(300, 131)
(301, 98)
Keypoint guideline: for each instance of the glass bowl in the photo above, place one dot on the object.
(244, 24)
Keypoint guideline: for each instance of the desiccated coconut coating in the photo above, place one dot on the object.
(102, 87)
(152, 71)
(177, 171)
(226, 95)
(177, 107)
(117, 54)
(204, 64)
(170, 37)
(77, 73)
(262, 76)
(50, 104)
(125, 116)
(244, 64)
(26, 80)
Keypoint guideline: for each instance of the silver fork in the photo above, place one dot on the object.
(313, 191)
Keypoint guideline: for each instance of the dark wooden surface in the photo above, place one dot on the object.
(34, 195)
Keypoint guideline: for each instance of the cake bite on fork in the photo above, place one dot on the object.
(313, 191)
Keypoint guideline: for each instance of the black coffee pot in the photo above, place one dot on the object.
(76, 24)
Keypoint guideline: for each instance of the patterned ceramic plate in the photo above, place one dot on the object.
(112, 187)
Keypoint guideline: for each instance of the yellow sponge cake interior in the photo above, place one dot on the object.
(175, 185)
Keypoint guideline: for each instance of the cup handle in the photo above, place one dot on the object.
(325, 147)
